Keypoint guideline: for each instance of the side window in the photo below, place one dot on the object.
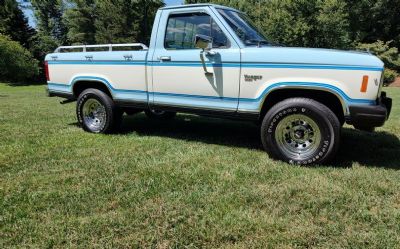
(182, 29)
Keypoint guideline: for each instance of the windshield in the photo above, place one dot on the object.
(244, 28)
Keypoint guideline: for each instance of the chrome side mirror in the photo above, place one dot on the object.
(203, 42)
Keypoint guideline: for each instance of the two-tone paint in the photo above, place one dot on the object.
(145, 77)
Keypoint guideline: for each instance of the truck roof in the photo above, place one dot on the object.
(197, 5)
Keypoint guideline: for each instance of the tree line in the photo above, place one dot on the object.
(372, 25)
(66, 22)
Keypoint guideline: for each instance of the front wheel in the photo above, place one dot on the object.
(301, 131)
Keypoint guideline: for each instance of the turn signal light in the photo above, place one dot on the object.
(364, 84)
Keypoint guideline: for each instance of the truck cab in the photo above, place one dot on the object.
(211, 60)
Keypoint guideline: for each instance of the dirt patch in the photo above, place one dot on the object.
(396, 82)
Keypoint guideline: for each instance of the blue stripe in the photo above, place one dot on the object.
(97, 62)
(224, 64)
(310, 66)
(59, 87)
(194, 96)
(310, 84)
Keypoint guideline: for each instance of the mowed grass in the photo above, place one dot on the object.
(187, 183)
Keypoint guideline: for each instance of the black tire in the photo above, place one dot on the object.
(159, 115)
(107, 115)
(301, 131)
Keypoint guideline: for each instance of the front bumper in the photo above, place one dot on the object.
(371, 116)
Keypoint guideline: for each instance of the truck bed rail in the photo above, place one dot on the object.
(110, 47)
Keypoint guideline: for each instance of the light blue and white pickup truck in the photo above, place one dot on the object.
(211, 60)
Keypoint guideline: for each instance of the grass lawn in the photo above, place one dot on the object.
(190, 182)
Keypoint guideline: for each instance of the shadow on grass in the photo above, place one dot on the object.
(378, 149)
(195, 128)
(375, 149)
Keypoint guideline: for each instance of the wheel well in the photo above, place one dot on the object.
(80, 86)
(327, 98)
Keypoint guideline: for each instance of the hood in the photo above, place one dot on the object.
(315, 56)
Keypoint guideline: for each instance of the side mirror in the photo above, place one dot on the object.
(203, 41)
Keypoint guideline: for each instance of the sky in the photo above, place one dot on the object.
(31, 18)
(173, 2)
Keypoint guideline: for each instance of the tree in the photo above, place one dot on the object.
(16, 62)
(49, 19)
(147, 11)
(14, 24)
(116, 21)
(80, 21)
(125, 21)
(372, 20)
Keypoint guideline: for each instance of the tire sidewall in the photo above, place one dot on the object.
(328, 144)
(99, 96)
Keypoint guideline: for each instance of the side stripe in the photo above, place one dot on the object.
(219, 64)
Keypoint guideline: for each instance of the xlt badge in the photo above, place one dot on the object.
(251, 78)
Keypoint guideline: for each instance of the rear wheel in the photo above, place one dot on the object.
(160, 115)
(301, 131)
(96, 112)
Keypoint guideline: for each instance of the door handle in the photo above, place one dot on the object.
(164, 58)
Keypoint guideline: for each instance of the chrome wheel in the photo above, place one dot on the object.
(94, 115)
(298, 136)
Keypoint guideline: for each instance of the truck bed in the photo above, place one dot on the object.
(120, 66)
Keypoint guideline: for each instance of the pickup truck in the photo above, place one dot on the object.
(211, 60)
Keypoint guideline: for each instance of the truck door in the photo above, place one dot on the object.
(178, 76)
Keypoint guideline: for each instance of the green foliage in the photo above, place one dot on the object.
(389, 55)
(14, 24)
(80, 20)
(43, 45)
(49, 19)
(116, 21)
(372, 20)
(16, 62)
(389, 76)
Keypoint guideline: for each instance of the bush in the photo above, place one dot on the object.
(389, 76)
(16, 63)
(389, 55)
